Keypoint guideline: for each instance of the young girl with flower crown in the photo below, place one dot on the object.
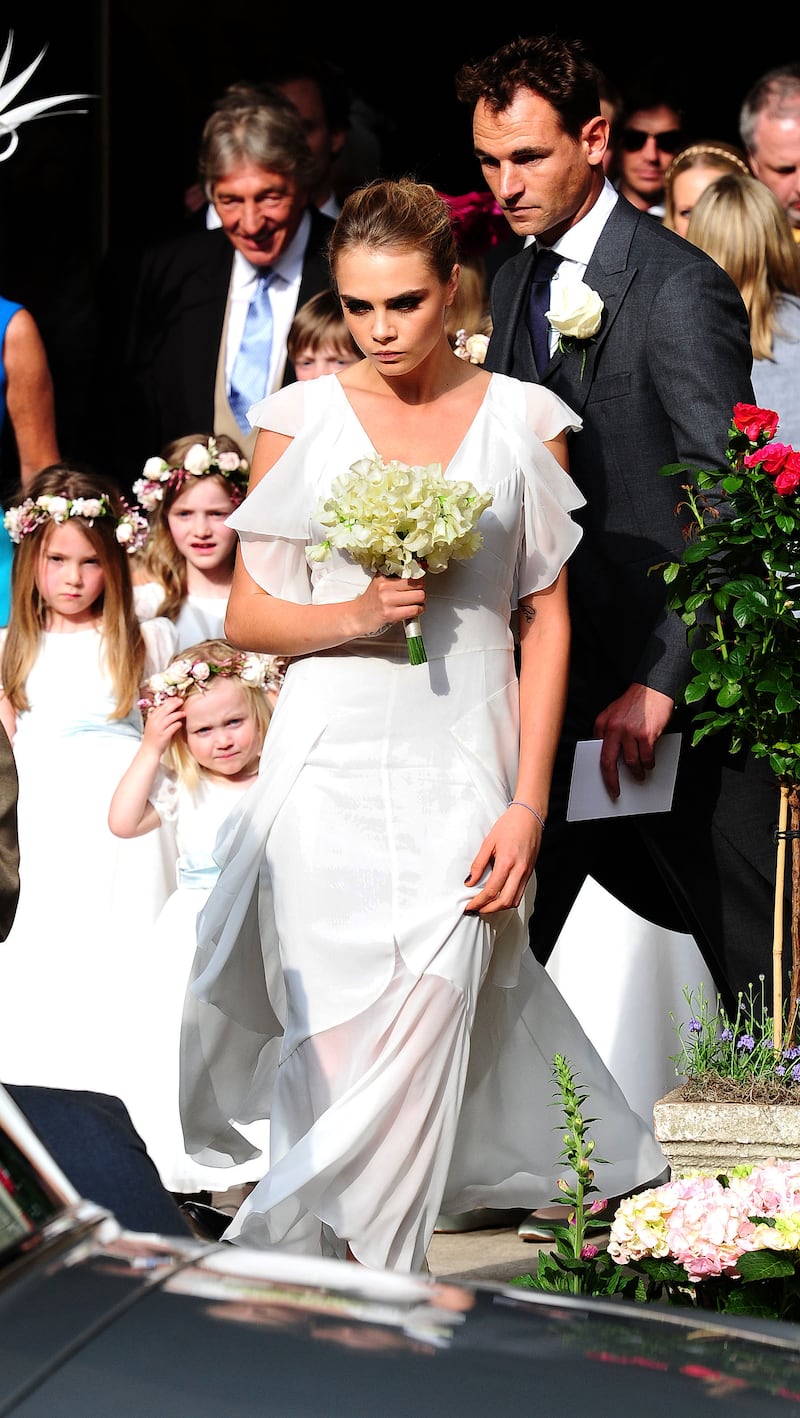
(206, 716)
(187, 563)
(74, 656)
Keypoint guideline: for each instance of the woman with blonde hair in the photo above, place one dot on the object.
(689, 174)
(741, 224)
(363, 976)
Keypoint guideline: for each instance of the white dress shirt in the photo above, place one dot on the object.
(577, 245)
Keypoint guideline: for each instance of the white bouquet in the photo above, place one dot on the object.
(398, 520)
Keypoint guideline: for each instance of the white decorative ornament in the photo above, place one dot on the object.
(11, 119)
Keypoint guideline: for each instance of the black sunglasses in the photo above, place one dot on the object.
(634, 139)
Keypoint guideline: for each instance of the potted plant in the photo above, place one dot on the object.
(737, 590)
(738, 1102)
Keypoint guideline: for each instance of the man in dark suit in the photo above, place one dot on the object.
(654, 383)
(189, 311)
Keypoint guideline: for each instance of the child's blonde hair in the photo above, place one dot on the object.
(122, 641)
(320, 325)
(160, 560)
(193, 671)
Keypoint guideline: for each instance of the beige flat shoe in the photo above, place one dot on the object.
(535, 1226)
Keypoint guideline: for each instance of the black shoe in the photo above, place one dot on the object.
(207, 1222)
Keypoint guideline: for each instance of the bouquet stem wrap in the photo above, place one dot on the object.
(416, 645)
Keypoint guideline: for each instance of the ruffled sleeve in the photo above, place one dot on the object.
(147, 598)
(273, 521)
(531, 415)
(164, 795)
(161, 643)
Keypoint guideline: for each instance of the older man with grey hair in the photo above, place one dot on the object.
(209, 319)
(769, 126)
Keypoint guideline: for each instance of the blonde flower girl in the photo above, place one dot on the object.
(73, 1008)
(206, 718)
(186, 567)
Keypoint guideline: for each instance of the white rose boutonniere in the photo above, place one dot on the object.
(576, 313)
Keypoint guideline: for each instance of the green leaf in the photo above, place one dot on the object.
(729, 695)
(695, 691)
(765, 1265)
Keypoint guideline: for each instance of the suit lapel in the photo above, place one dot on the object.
(608, 273)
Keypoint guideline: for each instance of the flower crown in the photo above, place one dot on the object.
(158, 476)
(131, 530)
(260, 671)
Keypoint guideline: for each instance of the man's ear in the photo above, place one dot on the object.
(595, 136)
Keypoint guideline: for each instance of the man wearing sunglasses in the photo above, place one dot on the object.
(650, 134)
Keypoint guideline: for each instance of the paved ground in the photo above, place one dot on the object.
(493, 1255)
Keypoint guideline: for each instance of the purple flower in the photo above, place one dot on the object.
(588, 1251)
(746, 1043)
(695, 1027)
(780, 1070)
(727, 1035)
(795, 1074)
(793, 1052)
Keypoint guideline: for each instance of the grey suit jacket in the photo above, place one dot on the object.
(660, 380)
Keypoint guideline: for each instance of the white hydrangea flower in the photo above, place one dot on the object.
(155, 469)
(198, 460)
(55, 507)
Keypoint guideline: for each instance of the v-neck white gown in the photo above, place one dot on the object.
(402, 1050)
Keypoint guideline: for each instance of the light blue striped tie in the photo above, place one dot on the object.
(251, 366)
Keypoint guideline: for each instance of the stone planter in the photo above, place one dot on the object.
(713, 1137)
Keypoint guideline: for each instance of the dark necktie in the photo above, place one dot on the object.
(249, 374)
(545, 263)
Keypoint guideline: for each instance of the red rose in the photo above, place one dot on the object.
(788, 480)
(755, 422)
(771, 459)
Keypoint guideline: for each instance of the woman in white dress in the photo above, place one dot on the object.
(74, 1002)
(186, 566)
(362, 973)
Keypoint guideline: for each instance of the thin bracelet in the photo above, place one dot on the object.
(516, 803)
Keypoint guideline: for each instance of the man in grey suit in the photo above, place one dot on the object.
(654, 383)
